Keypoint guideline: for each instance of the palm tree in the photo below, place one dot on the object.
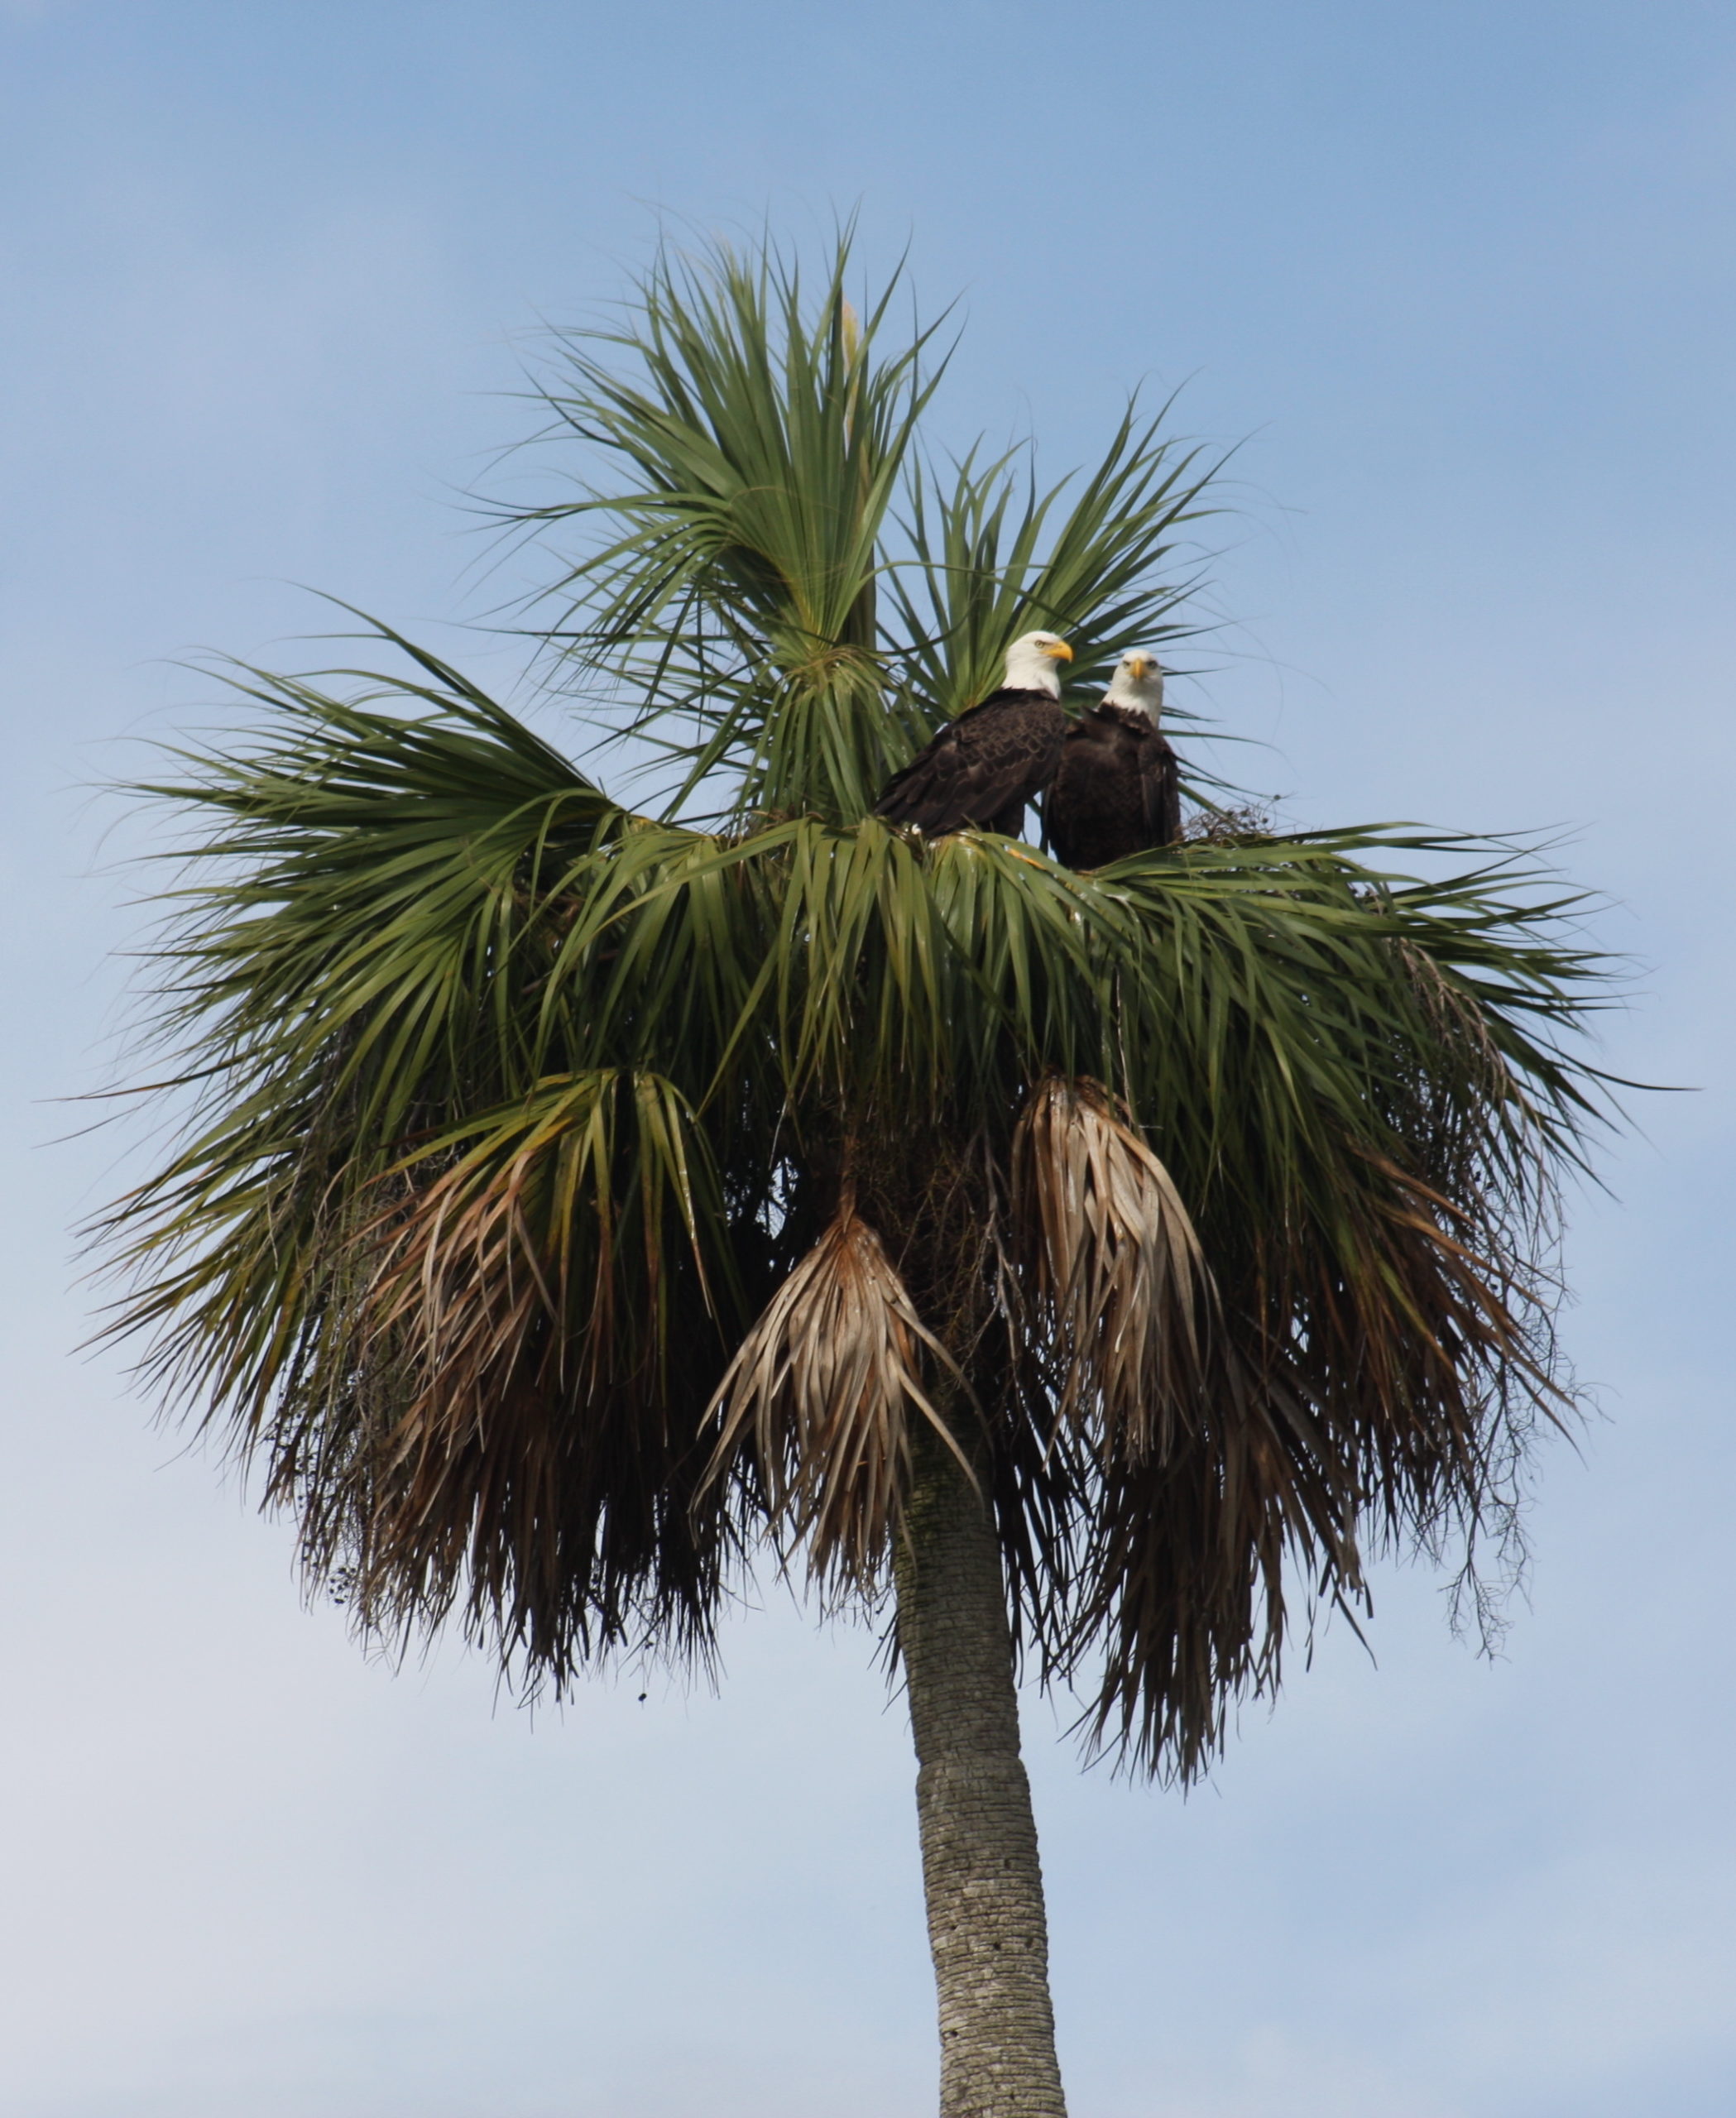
(576, 1202)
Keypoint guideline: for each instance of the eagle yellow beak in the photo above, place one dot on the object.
(1060, 651)
(1138, 664)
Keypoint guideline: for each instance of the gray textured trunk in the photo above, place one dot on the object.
(981, 1874)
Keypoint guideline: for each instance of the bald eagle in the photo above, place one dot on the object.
(981, 769)
(1116, 789)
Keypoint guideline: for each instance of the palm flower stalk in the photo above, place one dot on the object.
(575, 1202)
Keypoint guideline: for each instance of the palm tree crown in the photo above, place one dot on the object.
(576, 1196)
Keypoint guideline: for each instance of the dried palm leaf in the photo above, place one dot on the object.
(1118, 1291)
(825, 1382)
(530, 1349)
(1373, 1392)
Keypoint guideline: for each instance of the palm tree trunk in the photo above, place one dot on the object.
(980, 1874)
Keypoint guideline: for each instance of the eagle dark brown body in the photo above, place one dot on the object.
(1116, 789)
(980, 770)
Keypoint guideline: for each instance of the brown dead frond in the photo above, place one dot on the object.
(824, 1384)
(1117, 1285)
(1187, 1606)
(1373, 1392)
(515, 1423)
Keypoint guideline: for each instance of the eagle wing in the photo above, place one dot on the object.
(980, 770)
(1117, 790)
(1160, 788)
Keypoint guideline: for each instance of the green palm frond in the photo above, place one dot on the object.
(356, 971)
(757, 438)
(992, 557)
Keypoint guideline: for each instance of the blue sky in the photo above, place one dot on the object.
(1459, 280)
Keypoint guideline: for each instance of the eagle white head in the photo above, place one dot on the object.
(1137, 683)
(1031, 661)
